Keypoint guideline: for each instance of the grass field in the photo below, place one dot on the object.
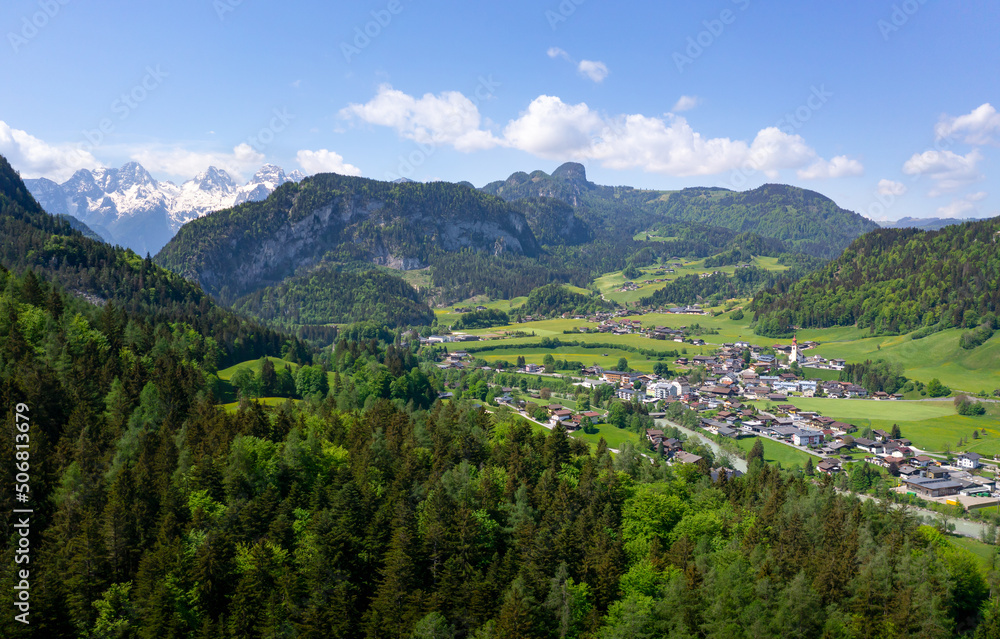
(777, 452)
(609, 283)
(231, 407)
(930, 425)
(587, 356)
(615, 437)
(254, 364)
(937, 355)
(984, 553)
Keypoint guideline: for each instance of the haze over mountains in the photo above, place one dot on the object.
(127, 206)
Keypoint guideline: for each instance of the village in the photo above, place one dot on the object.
(735, 398)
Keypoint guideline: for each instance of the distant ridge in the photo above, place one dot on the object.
(811, 222)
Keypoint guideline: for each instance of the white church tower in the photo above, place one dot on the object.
(795, 355)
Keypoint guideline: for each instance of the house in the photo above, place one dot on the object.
(562, 415)
(729, 473)
(921, 461)
(626, 394)
(881, 435)
(784, 432)
(968, 460)
(806, 437)
(685, 457)
(828, 466)
(731, 433)
(868, 445)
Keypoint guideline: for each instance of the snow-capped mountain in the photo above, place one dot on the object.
(129, 207)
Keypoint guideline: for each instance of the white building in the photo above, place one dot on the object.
(968, 460)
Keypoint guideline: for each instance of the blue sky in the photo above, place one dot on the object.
(890, 108)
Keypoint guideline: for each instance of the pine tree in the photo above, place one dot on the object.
(756, 452)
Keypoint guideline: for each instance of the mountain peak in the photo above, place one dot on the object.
(213, 178)
(269, 173)
(571, 172)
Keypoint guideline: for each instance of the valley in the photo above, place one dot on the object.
(564, 320)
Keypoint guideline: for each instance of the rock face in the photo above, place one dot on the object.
(344, 219)
(567, 183)
(129, 207)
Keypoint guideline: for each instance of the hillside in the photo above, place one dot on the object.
(553, 221)
(330, 296)
(810, 222)
(895, 281)
(554, 299)
(345, 219)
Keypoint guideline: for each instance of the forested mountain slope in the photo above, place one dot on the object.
(344, 219)
(327, 295)
(808, 221)
(894, 281)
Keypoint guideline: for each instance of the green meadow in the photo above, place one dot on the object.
(254, 364)
(985, 554)
(931, 425)
(232, 407)
(938, 355)
(777, 452)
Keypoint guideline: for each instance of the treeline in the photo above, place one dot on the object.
(467, 273)
(692, 289)
(481, 319)
(877, 376)
(328, 295)
(894, 281)
(554, 299)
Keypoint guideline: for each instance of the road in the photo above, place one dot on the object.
(963, 527)
(738, 464)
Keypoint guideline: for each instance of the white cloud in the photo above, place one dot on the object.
(184, 163)
(889, 187)
(553, 129)
(686, 103)
(446, 119)
(981, 126)
(33, 158)
(839, 166)
(595, 70)
(949, 170)
(324, 161)
(556, 52)
(963, 205)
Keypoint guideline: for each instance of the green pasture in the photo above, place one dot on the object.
(232, 407)
(930, 425)
(777, 452)
(938, 355)
(615, 437)
(254, 364)
(985, 554)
